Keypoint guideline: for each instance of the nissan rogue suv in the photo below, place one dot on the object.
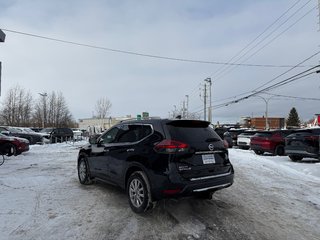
(157, 159)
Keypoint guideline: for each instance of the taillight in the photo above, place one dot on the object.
(171, 146)
(225, 144)
(312, 138)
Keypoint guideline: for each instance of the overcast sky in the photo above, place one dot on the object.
(210, 31)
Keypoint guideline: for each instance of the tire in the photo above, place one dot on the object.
(279, 150)
(138, 192)
(83, 170)
(295, 158)
(31, 140)
(10, 149)
(258, 152)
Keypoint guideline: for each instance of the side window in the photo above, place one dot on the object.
(133, 133)
(129, 134)
(144, 131)
(110, 136)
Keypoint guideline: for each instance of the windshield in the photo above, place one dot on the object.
(46, 130)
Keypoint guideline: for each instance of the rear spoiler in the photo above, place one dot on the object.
(188, 123)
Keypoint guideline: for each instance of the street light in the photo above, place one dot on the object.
(44, 95)
(266, 101)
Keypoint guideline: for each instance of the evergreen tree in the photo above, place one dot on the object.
(293, 118)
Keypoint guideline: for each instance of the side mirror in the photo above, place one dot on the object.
(95, 140)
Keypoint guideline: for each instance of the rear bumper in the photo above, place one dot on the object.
(242, 144)
(23, 148)
(261, 148)
(175, 187)
(302, 153)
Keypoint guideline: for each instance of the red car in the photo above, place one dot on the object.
(13, 145)
(269, 141)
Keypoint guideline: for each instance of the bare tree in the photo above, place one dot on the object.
(52, 111)
(103, 107)
(17, 107)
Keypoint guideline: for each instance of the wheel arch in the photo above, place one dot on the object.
(134, 167)
(279, 147)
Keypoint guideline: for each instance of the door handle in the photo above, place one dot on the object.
(130, 150)
(106, 150)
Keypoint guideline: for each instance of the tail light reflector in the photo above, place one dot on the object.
(171, 191)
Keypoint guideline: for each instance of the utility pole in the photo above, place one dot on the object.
(183, 109)
(319, 13)
(205, 103)
(210, 106)
(2, 38)
(187, 110)
(44, 95)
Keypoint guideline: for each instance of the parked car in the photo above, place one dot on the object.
(13, 145)
(244, 139)
(234, 132)
(156, 159)
(61, 135)
(46, 132)
(30, 131)
(227, 137)
(77, 134)
(303, 144)
(269, 141)
(33, 137)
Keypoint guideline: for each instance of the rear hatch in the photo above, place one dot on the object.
(206, 153)
(261, 139)
(305, 141)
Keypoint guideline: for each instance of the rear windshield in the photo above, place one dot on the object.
(263, 134)
(307, 132)
(190, 134)
(247, 134)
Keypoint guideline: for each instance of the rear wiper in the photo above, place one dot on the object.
(212, 139)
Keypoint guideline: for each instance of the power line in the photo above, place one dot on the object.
(254, 40)
(294, 97)
(276, 85)
(224, 68)
(268, 43)
(145, 54)
(302, 62)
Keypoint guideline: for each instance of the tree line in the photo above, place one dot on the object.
(20, 108)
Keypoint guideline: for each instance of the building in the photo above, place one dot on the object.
(97, 125)
(273, 123)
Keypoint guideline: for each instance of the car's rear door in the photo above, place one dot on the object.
(128, 147)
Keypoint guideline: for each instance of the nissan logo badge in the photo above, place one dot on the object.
(211, 147)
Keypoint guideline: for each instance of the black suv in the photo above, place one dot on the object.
(303, 143)
(156, 159)
(59, 134)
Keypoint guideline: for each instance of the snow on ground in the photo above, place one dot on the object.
(271, 198)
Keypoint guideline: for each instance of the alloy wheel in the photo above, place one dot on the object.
(136, 193)
(82, 171)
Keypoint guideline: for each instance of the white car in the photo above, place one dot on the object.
(244, 139)
(77, 134)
